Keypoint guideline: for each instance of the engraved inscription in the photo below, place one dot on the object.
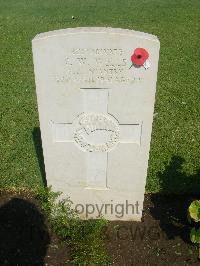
(96, 132)
(96, 65)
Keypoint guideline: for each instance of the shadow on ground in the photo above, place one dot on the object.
(174, 176)
(171, 209)
(36, 134)
(24, 237)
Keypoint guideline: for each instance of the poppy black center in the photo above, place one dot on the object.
(139, 56)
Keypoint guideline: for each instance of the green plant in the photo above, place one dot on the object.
(194, 215)
(84, 237)
(88, 243)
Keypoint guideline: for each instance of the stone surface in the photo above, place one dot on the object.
(96, 113)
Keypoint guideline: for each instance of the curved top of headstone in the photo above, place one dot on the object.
(95, 30)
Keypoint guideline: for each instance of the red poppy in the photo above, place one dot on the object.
(139, 57)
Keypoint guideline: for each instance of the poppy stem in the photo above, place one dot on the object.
(131, 66)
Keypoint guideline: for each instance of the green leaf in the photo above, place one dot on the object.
(194, 210)
(195, 235)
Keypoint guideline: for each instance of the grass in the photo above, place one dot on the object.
(174, 159)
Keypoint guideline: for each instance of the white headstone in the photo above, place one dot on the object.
(96, 94)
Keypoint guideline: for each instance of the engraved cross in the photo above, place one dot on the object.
(96, 132)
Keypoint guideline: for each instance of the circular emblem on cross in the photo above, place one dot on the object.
(96, 132)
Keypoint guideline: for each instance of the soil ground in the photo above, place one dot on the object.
(162, 238)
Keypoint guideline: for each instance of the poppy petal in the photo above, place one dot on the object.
(139, 56)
